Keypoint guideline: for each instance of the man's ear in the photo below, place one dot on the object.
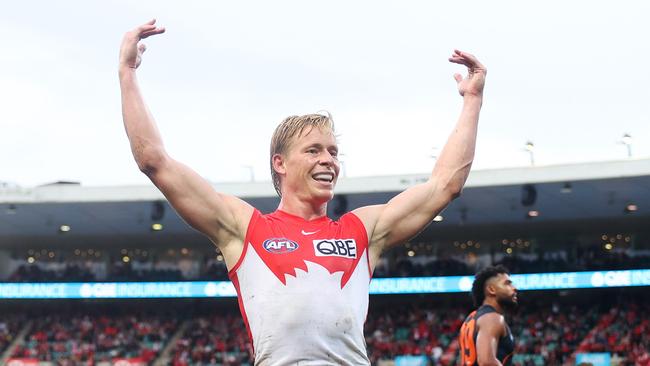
(490, 288)
(278, 164)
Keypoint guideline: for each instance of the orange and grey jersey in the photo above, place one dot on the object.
(303, 289)
(467, 340)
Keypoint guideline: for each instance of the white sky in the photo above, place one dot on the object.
(572, 76)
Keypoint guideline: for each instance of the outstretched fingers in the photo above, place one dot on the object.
(148, 29)
(467, 59)
(152, 32)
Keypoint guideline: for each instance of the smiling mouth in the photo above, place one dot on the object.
(324, 177)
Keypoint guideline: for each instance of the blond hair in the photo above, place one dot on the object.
(295, 126)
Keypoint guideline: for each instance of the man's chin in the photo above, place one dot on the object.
(323, 197)
(509, 305)
(326, 194)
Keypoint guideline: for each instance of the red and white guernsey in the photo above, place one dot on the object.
(303, 289)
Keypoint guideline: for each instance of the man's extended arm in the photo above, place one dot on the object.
(410, 211)
(221, 217)
(490, 328)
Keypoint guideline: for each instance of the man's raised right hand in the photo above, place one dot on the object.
(131, 50)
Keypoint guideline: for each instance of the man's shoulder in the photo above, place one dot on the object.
(493, 321)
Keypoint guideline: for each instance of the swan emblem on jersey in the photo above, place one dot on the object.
(279, 245)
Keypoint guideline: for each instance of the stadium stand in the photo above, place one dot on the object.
(598, 223)
(205, 266)
(215, 339)
(73, 338)
(550, 328)
(9, 326)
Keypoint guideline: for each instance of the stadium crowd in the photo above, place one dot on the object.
(207, 268)
(547, 332)
(69, 338)
(213, 340)
(586, 259)
(9, 326)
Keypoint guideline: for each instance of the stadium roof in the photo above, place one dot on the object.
(498, 198)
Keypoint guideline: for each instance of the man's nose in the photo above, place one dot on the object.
(326, 158)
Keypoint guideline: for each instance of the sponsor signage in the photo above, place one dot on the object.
(378, 286)
(135, 361)
(411, 361)
(594, 359)
(345, 248)
(22, 362)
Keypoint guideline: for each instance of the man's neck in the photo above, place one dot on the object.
(306, 210)
(493, 303)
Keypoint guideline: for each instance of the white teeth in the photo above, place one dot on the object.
(327, 177)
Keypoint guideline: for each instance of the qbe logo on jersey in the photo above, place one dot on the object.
(346, 248)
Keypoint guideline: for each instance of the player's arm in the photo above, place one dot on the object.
(221, 217)
(491, 327)
(409, 212)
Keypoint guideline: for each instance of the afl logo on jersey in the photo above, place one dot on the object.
(346, 248)
(279, 245)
